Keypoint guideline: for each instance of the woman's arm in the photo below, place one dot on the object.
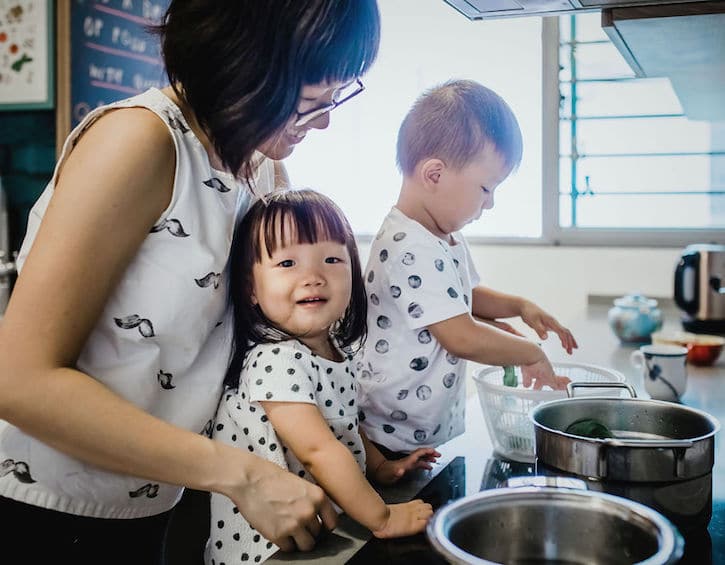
(111, 190)
(302, 429)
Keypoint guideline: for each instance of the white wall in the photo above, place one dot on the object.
(559, 279)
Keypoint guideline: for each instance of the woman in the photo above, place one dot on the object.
(114, 345)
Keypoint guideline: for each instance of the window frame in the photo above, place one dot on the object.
(552, 232)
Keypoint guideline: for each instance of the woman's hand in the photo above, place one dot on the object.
(389, 471)
(285, 509)
(405, 519)
(542, 374)
(542, 323)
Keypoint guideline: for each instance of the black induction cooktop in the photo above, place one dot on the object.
(702, 546)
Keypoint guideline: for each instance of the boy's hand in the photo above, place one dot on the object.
(542, 374)
(542, 323)
(390, 471)
(405, 519)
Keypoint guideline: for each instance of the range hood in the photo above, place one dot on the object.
(484, 9)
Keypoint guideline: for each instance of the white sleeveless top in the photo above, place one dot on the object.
(162, 341)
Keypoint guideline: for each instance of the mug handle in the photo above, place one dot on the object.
(637, 359)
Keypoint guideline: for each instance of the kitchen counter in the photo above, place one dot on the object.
(469, 464)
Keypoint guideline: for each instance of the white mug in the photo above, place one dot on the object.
(664, 370)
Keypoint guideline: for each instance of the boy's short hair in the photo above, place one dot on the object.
(453, 122)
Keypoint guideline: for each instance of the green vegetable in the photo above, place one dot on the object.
(509, 377)
(588, 427)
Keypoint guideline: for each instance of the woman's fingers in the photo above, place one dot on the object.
(303, 539)
(327, 514)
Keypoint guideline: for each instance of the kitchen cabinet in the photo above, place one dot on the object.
(468, 464)
(682, 42)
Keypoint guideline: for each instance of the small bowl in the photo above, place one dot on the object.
(702, 350)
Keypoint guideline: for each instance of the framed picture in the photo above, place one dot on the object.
(26, 54)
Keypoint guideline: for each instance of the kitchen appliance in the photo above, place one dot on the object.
(700, 288)
(661, 454)
(552, 524)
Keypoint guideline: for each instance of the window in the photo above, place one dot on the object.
(632, 167)
(609, 159)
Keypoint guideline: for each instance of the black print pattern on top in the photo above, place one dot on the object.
(283, 372)
(145, 327)
(171, 225)
(165, 380)
(19, 469)
(418, 280)
(217, 185)
(210, 279)
(149, 490)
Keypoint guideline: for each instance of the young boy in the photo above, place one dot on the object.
(458, 142)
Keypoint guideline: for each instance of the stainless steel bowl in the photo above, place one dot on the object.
(552, 525)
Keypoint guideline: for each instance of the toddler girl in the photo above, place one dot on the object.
(299, 310)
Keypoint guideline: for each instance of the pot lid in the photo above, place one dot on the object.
(636, 300)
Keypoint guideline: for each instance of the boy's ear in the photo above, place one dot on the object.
(431, 170)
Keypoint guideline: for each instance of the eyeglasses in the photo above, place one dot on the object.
(341, 96)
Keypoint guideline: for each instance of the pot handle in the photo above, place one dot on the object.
(546, 481)
(570, 388)
(678, 447)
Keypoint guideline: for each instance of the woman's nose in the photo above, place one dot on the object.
(488, 202)
(320, 122)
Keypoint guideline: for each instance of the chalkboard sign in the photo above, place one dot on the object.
(112, 55)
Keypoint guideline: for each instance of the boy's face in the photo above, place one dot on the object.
(463, 194)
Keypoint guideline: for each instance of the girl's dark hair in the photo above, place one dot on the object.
(241, 64)
(313, 217)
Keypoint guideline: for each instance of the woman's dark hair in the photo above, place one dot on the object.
(241, 64)
(312, 217)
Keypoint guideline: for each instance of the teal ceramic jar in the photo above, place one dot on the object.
(634, 318)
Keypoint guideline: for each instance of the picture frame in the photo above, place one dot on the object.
(27, 65)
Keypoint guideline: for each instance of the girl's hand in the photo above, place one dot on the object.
(390, 471)
(542, 323)
(285, 509)
(405, 519)
(542, 374)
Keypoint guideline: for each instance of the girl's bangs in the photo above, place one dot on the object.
(289, 223)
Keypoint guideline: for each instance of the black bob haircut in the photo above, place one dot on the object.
(241, 64)
(313, 217)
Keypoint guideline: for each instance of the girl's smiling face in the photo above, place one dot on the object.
(304, 288)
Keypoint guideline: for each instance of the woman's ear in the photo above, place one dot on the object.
(430, 172)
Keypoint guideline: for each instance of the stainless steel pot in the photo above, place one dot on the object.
(653, 440)
(662, 453)
(552, 525)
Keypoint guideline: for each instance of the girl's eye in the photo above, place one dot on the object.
(287, 263)
(485, 189)
(333, 260)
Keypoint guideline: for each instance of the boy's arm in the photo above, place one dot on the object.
(491, 304)
(466, 338)
(302, 429)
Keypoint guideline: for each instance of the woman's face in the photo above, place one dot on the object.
(312, 96)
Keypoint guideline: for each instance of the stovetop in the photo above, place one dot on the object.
(702, 546)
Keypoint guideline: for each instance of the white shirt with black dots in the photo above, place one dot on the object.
(412, 390)
(277, 372)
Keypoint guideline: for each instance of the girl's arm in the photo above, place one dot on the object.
(110, 192)
(302, 429)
